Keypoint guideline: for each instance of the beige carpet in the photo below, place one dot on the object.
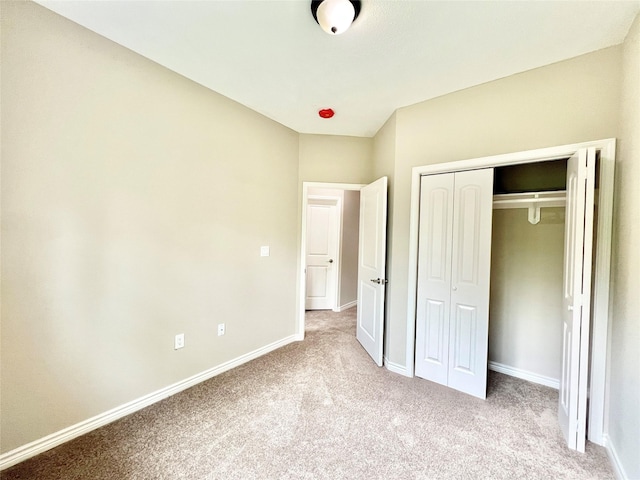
(320, 409)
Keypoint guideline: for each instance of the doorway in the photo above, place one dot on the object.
(345, 292)
(527, 243)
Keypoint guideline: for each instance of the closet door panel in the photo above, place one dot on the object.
(572, 405)
(465, 335)
(434, 277)
(433, 337)
(471, 265)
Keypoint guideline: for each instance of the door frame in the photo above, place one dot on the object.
(602, 264)
(302, 258)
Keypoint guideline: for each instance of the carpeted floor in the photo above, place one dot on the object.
(321, 409)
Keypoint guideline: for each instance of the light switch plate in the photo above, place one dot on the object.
(264, 251)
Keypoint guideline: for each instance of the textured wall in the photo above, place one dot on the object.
(571, 101)
(331, 158)
(624, 383)
(134, 205)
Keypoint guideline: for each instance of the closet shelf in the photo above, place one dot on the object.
(532, 201)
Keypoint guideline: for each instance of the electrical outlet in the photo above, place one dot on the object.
(179, 341)
(220, 329)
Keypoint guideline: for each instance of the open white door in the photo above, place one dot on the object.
(371, 267)
(572, 408)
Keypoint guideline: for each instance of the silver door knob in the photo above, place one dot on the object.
(376, 280)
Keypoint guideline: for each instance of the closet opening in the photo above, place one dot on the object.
(543, 315)
(527, 251)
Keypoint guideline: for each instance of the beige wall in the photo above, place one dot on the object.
(349, 259)
(134, 205)
(335, 159)
(384, 150)
(571, 101)
(624, 384)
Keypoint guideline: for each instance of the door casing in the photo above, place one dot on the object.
(602, 263)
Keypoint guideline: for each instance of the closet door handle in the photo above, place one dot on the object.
(454, 288)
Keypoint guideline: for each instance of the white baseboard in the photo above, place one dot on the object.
(524, 375)
(346, 306)
(50, 441)
(396, 367)
(618, 469)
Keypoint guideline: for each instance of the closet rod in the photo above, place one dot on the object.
(556, 198)
(532, 201)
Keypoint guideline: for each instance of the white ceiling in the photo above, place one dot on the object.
(271, 56)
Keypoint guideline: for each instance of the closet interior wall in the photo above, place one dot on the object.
(525, 308)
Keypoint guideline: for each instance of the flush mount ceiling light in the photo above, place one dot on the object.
(335, 16)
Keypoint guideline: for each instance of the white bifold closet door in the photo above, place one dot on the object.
(578, 247)
(454, 261)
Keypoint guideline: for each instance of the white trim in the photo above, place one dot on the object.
(600, 307)
(616, 464)
(395, 367)
(606, 147)
(412, 284)
(323, 200)
(29, 450)
(346, 306)
(303, 241)
(524, 375)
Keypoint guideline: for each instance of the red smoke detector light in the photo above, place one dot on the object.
(326, 113)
